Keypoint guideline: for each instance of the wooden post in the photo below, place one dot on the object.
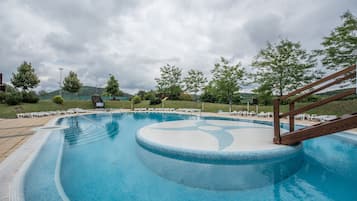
(276, 121)
(291, 117)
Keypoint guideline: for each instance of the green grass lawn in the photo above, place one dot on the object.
(337, 108)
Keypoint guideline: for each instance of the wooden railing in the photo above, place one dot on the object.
(333, 79)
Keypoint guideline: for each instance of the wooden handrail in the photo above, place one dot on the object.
(347, 73)
(319, 103)
(337, 81)
(332, 76)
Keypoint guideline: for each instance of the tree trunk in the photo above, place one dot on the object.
(230, 104)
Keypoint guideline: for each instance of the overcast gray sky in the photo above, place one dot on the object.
(133, 39)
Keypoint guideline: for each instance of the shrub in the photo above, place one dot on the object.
(155, 101)
(149, 96)
(136, 99)
(30, 97)
(58, 100)
(2, 97)
(13, 98)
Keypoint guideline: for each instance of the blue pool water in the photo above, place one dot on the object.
(101, 160)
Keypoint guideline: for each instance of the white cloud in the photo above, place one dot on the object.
(133, 39)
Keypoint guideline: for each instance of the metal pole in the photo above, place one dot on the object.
(256, 109)
(96, 85)
(60, 81)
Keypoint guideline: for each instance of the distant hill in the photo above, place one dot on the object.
(334, 92)
(84, 93)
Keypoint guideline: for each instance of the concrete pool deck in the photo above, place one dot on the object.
(14, 132)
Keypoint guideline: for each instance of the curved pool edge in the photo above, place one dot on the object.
(36, 142)
(16, 187)
(208, 156)
(57, 177)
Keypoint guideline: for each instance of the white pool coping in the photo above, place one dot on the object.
(214, 141)
(186, 134)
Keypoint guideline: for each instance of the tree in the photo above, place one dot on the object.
(149, 95)
(283, 67)
(71, 83)
(226, 79)
(169, 82)
(209, 94)
(112, 87)
(25, 77)
(264, 94)
(141, 94)
(194, 81)
(340, 44)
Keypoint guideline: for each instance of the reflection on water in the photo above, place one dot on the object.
(220, 176)
(91, 128)
(112, 129)
(71, 134)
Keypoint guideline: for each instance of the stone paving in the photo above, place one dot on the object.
(14, 132)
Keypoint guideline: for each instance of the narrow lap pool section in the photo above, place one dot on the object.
(102, 160)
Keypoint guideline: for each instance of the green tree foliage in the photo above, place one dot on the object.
(194, 81)
(112, 87)
(71, 83)
(209, 94)
(12, 95)
(136, 99)
(30, 97)
(283, 67)
(149, 95)
(25, 77)
(169, 82)
(141, 94)
(264, 94)
(13, 98)
(227, 79)
(155, 101)
(340, 44)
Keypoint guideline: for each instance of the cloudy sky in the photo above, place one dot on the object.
(133, 39)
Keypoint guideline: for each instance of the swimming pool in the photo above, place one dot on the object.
(97, 158)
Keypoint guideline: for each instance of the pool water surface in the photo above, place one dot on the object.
(101, 160)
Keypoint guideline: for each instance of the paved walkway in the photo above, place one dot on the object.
(14, 132)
